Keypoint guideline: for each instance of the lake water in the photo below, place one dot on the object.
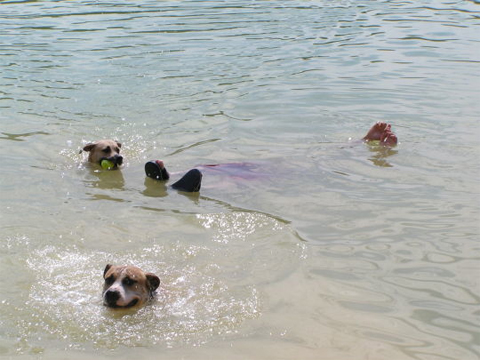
(326, 248)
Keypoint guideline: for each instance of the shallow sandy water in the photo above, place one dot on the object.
(335, 250)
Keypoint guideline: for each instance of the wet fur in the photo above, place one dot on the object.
(104, 149)
(128, 286)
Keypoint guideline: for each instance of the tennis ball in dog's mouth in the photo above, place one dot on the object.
(107, 164)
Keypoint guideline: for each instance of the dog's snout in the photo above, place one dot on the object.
(111, 297)
(118, 159)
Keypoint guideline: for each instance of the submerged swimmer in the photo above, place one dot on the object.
(192, 180)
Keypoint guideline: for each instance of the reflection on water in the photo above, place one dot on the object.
(380, 155)
(154, 188)
(104, 179)
(302, 243)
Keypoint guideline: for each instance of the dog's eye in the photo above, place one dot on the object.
(117, 150)
(106, 150)
(110, 280)
(128, 281)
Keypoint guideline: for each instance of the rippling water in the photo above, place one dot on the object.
(323, 248)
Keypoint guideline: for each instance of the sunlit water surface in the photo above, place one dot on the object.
(322, 248)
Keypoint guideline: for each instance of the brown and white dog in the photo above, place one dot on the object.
(128, 286)
(104, 150)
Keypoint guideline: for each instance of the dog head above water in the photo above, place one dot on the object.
(128, 286)
(104, 150)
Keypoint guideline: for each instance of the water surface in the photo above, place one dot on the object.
(327, 248)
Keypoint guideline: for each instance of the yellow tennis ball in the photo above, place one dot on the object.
(107, 164)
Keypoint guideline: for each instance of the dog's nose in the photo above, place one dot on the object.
(111, 297)
(118, 159)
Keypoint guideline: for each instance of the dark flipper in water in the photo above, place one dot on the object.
(190, 182)
(155, 171)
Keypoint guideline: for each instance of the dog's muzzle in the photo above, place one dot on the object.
(117, 160)
(111, 297)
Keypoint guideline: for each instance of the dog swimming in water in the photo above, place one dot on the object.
(128, 286)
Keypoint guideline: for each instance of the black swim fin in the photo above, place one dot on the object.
(154, 171)
(190, 182)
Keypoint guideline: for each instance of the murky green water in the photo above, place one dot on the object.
(330, 249)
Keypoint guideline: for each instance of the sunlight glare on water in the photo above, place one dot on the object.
(306, 243)
(196, 299)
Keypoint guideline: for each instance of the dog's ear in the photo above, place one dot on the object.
(106, 270)
(119, 144)
(153, 281)
(89, 147)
